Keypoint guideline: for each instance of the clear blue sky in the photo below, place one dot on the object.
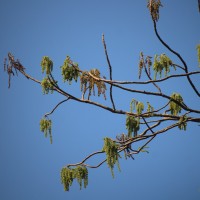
(29, 165)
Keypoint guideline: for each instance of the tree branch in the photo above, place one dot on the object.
(178, 55)
(49, 113)
(85, 159)
(110, 70)
(144, 82)
(151, 80)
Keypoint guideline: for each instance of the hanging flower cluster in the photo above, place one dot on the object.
(68, 175)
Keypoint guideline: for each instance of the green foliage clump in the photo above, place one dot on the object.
(183, 123)
(161, 63)
(174, 107)
(81, 174)
(47, 65)
(68, 175)
(198, 53)
(70, 70)
(132, 122)
(45, 127)
(112, 155)
(46, 86)
(132, 125)
(88, 83)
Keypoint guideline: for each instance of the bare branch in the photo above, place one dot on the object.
(110, 70)
(148, 82)
(150, 128)
(157, 94)
(151, 80)
(175, 65)
(49, 113)
(158, 110)
(143, 146)
(83, 161)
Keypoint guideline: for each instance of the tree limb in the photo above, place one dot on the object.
(178, 55)
(110, 70)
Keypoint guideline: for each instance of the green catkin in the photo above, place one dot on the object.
(174, 107)
(162, 63)
(70, 70)
(112, 155)
(66, 178)
(46, 86)
(132, 122)
(183, 123)
(47, 65)
(45, 127)
(68, 175)
(132, 125)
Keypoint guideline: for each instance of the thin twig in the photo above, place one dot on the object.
(83, 161)
(151, 79)
(175, 65)
(96, 166)
(165, 129)
(49, 113)
(158, 110)
(199, 5)
(110, 70)
(147, 125)
(30, 77)
(155, 125)
(140, 149)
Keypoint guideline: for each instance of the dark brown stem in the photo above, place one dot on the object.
(147, 125)
(157, 94)
(178, 55)
(147, 82)
(83, 161)
(49, 113)
(151, 79)
(110, 70)
(156, 111)
(141, 148)
(155, 125)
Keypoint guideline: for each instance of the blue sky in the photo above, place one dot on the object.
(30, 165)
